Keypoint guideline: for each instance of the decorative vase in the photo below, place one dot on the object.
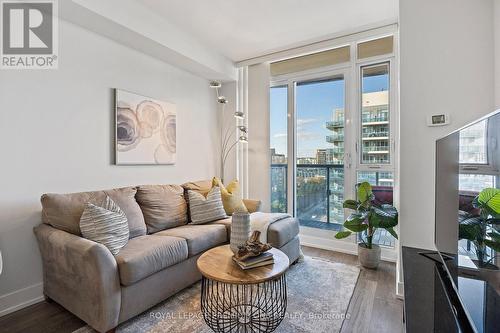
(369, 258)
(240, 230)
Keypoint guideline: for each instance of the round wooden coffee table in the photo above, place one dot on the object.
(237, 300)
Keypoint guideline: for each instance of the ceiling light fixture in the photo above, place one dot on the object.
(215, 84)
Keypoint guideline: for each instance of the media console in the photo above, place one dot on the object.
(429, 303)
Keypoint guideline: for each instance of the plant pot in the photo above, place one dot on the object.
(369, 258)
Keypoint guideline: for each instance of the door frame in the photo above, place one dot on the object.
(352, 127)
(291, 80)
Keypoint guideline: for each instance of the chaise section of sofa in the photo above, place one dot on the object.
(282, 234)
(158, 261)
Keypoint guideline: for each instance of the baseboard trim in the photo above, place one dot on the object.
(339, 246)
(21, 298)
(328, 244)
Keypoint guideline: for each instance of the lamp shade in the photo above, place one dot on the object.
(222, 100)
(239, 115)
(215, 84)
(243, 139)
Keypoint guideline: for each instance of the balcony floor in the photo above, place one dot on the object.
(320, 225)
(381, 237)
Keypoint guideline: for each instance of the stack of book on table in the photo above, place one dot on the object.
(263, 259)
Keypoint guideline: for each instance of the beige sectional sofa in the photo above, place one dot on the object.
(106, 290)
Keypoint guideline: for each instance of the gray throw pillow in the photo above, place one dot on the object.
(163, 206)
(106, 225)
(206, 209)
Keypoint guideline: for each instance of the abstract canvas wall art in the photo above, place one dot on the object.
(145, 130)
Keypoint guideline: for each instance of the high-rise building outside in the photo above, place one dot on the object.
(335, 155)
(277, 158)
(321, 156)
(307, 160)
(336, 125)
(278, 182)
(375, 128)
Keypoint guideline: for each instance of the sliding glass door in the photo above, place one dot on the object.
(333, 119)
(320, 148)
(307, 137)
(320, 130)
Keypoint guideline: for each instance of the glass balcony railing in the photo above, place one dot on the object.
(337, 175)
(279, 178)
(335, 124)
(320, 195)
(375, 119)
(337, 190)
(375, 148)
(383, 134)
(337, 150)
(335, 138)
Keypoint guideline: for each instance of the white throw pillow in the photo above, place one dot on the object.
(204, 210)
(106, 225)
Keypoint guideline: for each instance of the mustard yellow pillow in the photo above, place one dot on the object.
(231, 196)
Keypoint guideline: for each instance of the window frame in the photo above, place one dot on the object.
(287, 145)
(391, 167)
(291, 80)
(352, 109)
(393, 116)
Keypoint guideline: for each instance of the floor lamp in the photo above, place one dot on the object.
(227, 129)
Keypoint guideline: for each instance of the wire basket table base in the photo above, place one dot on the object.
(243, 308)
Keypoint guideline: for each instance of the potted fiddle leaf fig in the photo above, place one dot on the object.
(367, 217)
(482, 227)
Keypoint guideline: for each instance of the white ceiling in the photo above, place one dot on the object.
(243, 29)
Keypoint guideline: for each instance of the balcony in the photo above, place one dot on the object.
(319, 193)
(376, 149)
(337, 150)
(319, 196)
(369, 136)
(335, 138)
(375, 120)
(370, 159)
(331, 125)
(337, 175)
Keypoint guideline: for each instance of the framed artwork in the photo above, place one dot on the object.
(145, 130)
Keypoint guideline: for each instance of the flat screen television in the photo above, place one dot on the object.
(467, 231)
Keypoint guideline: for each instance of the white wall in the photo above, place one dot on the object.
(446, 56)
(496, 19)
(133, 24)
(56, 128)
(259, 157)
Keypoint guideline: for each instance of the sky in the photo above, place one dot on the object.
(315, 103)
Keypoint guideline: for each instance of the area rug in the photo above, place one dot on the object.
(319, 293)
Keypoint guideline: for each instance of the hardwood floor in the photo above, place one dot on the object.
(42, 317)
(373, 307)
